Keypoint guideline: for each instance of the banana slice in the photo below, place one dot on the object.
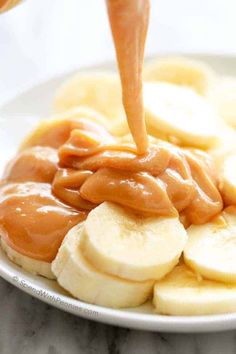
(99, 90)
(29, 264)
(224, 147)
(184, 293)
(128, 139)
(211, 248)
(67, 248)
(227, 179)
(223, 96)
(75, 274)
(55, 131)
(120, 128)
(180, 112)
(119, 243)
(181, 71)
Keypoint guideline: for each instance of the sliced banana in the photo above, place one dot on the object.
(128, 139)
(120, 243)
(55, 131)
(68, 246)
(211, 248)
(223, 96)
(120, 128)
(75, 274)
(226, 145)
(31, 265)
(99, 90)
(181, 71)
(227, 179)
(180, 112)
(184, 293)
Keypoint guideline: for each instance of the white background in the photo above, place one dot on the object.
(41, 38)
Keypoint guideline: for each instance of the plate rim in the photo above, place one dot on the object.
(119, 317)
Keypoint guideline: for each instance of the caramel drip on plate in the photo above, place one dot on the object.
(129, 22)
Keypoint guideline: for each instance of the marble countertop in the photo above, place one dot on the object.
(29, 326)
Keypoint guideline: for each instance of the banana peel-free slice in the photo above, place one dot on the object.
(227, 179)
(181, 71)
(182, 113)
(98, 90)
(211, 247)
(122, 244)
(223, 96)
(184, 293)
(31, 265)
(85, 282)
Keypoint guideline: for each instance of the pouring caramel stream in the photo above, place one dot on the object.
(129, 23)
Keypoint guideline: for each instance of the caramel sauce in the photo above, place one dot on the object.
(37, 164)
(163, 181)
(46, 191)
(33, 221)
(68, 167)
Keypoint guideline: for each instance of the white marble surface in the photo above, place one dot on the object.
(42, 38)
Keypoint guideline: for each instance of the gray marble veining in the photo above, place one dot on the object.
(28, 326)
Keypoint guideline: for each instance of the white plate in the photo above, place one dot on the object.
(16, 118)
